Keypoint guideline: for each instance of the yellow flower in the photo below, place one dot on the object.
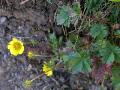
(16, 47)
(47, 70)
(30, 54)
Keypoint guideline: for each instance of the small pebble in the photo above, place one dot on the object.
(3, 19)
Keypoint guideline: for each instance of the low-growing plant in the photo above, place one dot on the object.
(90, 51)
(67, 15)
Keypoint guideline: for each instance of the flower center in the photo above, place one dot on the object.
(17, 46)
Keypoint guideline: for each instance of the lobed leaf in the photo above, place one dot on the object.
(98, 31)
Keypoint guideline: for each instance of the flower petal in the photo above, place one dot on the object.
(14, 48)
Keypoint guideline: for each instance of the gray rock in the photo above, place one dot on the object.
(2, 31)
(3, 20)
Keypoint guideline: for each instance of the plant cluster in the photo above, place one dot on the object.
(91, 48)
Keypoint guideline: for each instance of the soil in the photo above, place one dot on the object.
(34, 20)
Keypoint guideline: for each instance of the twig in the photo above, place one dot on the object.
(7, 2)
(42, 56)
(37, 77)
(23, 2)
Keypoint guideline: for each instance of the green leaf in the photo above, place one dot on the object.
(115, 80)
(86, 66)
(50, 1)
(53, 41)
(117, 87)
(116, 51)
(77, 62)
(116, 77)
(110, 53)
(83, 67)
(115, 0)
(63, 16)
(117, 54)
(76, 7)
(77, 68)
(98, 31)
(65, 58)
(73, 37)
(111, 58)
(117, 33)
(93, 4)
(115, 12)
(66, 15)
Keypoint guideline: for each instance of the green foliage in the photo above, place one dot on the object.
(63, 16)
(115, 12)
(76, 7)
(108, 52)
(74, 41)
(50, 1)
(93, 5)
(54, 42)
(67, 15)
(115, 0)
(77, 62)
(72, 37)
(78, 58)
(34, 42)
(51, 63)
(117, 33)
(27, 83)
(98, 31)
(116, 77)
(77, 10)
